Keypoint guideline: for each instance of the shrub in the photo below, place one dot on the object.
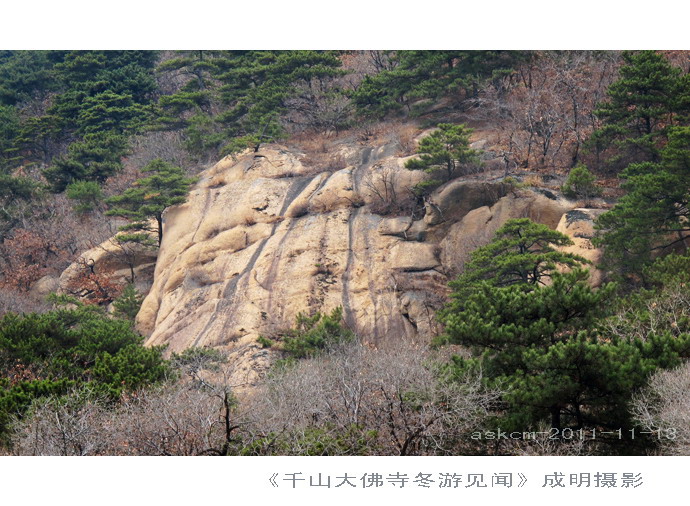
(128, 303)
(581, 183)
(313, 334)
(47, 354)
(86, 194)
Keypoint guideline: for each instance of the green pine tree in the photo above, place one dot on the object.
(95, 158)
(650, 96)
(9, 134)
(522, 252)
(538, 334)
(446, 149)
(653, 215)
(87, 195)
(149, 197)
(420, 77)
(127, 305)
(581, 184)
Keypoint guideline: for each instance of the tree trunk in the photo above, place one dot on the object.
(556, 417)
(159, 219)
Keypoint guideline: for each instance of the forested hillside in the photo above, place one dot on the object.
(572, 346)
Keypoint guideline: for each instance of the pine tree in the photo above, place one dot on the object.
(581, 183)
(522, 252)
(537, 333)
(127, 305)
(149, 197)
(447, 149)
(257, 84)
(419, 76)
(9, 133)
(86, 194)
(653, 215)
(516, 333)
(252, 88)
(650, 96)
(95, 158)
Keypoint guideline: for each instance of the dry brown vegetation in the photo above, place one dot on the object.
(663, 408)
(352, 400)
(319, 152)
(543, 113)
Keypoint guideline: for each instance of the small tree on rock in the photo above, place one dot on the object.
(149, 197)
(127, 305)
(447, 148)
(581, 183)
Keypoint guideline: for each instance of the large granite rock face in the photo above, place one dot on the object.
(264, 237)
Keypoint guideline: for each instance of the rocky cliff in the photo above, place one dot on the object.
(264, 237)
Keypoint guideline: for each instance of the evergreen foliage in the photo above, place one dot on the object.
(653, 215)
(581, 184)
(9, 132)
(25, 75)
(80, 100)
(127, 305)
(545, 342)
(650, 96)
(149, 197)
(250, 87)
(95, 158)
(447, 149)
(314, 334)
(522, 252)
(86, 194)
(419, 76)
(50, 353)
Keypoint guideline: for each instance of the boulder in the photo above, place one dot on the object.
(578, 224)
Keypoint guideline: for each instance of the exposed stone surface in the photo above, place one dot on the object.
(578, 224)
(117, 262)
(43, 287)
(395, 226)
(479, 225)
(263, 237)
(457, 198)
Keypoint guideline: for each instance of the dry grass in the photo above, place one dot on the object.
(405, 135)
(534, 180)
(320, 152)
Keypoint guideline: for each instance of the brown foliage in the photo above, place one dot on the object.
(392, 396)
(319, 153)
(381, 182)
(92, 287)
(15, 301)
(175, 420)
(26, 256)
(545, 110)
(193, 416)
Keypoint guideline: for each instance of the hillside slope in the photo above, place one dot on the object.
(264, 237)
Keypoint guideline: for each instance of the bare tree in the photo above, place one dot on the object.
(545, 110)
(663, 408)
(667, 311)
(72, 425)
(388, 401)
(196, 415)
(319, 106)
